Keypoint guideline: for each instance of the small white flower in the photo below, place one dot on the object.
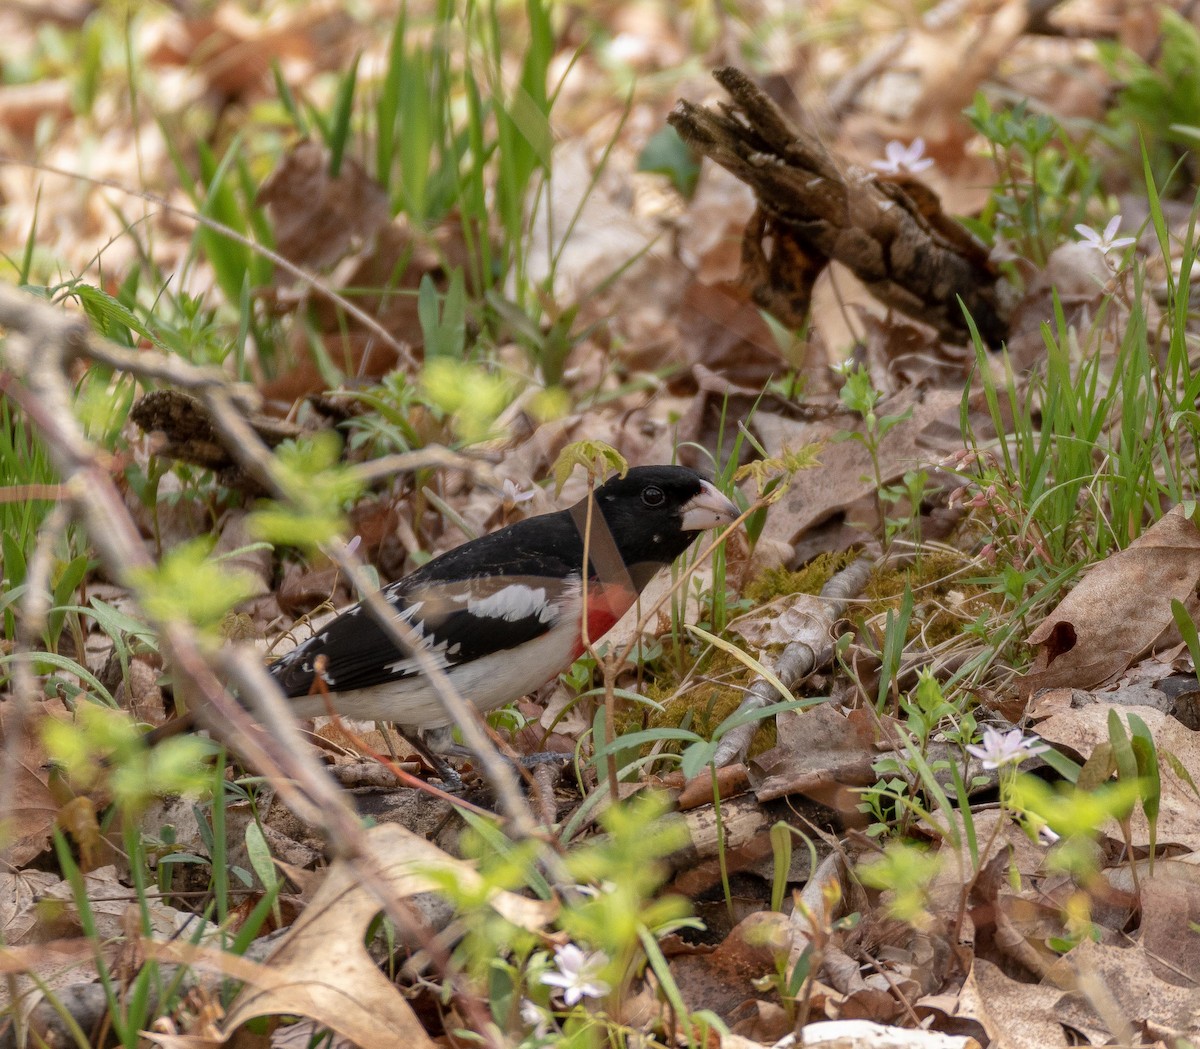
(354, 544)
(1108, 240)
(629, 48)
(577, 973)
(596, 890)
(536, 1018)
(902, 159)
(514, 494)
(1006, 748)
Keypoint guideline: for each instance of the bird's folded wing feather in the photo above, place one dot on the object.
(458, 621)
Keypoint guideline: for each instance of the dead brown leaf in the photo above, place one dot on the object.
(723, 980)
(319, 218)
(1116, 986)
(1120, 610)
(1015, 1015)
(820, 753)
(29, 807)
(844, 477)
(322, 969)
(1170, 901)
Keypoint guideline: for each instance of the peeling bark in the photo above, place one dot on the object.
(813, 209)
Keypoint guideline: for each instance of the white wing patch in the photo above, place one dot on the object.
(487, 682)
(513, 602)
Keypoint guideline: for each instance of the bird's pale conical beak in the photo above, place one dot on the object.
(710, 509)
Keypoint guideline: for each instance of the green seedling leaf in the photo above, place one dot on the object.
(43, 660)
(188, 586)
(1063, 765)
(745, 659)
(116, 623)
(742, 717)
(697, 758)
(68, 581)
(632, 740)
(339, 131)
(800, 972)
(443, 323)
(259, 854)
(597, 459)
(1187, 630)
(1146, 755)
(1122, 751)
(781, 850)
(667, 154)
(113, 319)
(1180, 770)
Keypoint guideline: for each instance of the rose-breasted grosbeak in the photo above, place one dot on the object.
(505, 613)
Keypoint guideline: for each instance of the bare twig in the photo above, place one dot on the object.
(798, 659)
(41, 344)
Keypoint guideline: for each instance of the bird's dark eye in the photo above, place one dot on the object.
(652, 495)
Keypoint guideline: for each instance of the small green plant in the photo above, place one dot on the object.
(909, 780)
(318, 487)
(105, 742)
(469, 395)
(1044, 179)
(906, 871)
(860, 396)
(1086, 454)
(1158, 102)
(188, 586)
(1070, 815)
(386, 424)
(667, 154)
(571, 984)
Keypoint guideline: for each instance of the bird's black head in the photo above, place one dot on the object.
(652, 515)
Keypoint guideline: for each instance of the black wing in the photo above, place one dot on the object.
(486, 596)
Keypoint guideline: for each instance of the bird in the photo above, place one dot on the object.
(504, 614)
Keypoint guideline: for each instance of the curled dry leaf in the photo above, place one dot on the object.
(29, 808)
(1015, 1015)
(322, 969)
(1120, 610)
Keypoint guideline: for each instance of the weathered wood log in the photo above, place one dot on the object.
(814, 208)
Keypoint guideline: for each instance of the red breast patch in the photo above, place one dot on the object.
(605, 605)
